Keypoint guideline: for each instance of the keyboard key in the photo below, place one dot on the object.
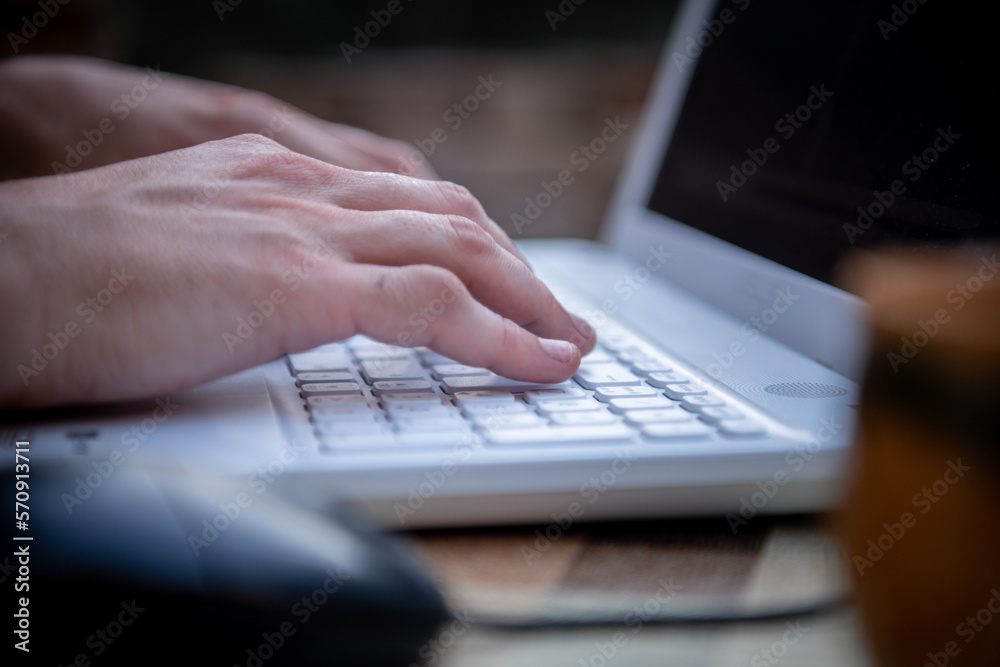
(435, 439)
(432, 358)
(679, 391)
(355, 422)
(352, 428)
(487, 409)
(327, 400)
(598, 356)
(647, 367)
(606, 394)
(632, 357)
(384, 353)
(662, 379)
(620, 405)
(413, 398)
(535, 396)
(360, 342)
(332, 413)
(429, 424)
(319, 360)
(323, 376)
(714, 415)
(338, 403)
(331, 388)
(418, 410)
(482, 397)
(698, 403)
(375, 371)
(452, 384)
(557, 406)
(442, 370)
(604, 375)
(399, 386)
(568, 435)
(616, 342)
(517, 420)
(741, 428)
(640, 417)
(681, 431)
(584, 418)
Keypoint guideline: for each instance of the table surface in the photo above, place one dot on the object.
(548, 104)
(628, 571)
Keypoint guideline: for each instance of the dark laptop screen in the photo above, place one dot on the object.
(810, 128)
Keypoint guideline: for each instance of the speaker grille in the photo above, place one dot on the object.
(805, 390)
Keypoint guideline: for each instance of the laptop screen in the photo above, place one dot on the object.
(811, 129)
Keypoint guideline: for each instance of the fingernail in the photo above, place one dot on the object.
(585, 337)
(581, 325)
(559, 350)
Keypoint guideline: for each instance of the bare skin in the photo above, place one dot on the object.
(131, 280)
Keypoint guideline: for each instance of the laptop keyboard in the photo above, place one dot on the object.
(363, 395)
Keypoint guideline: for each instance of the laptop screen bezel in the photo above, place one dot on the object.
(827, 324)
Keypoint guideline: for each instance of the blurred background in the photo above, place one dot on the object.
(411, 71)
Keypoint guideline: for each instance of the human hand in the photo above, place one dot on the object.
(60, 114)
(131, 280)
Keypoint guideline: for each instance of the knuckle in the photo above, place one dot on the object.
(253, 143)
(459, 199)
(264, 158)
(432, 281)
(469, 238)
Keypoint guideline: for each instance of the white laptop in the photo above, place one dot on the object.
(725, 380)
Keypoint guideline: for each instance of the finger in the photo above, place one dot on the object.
(426, 305)
(345, 150)
(493, 276)
(387, 154)
(385, 191)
